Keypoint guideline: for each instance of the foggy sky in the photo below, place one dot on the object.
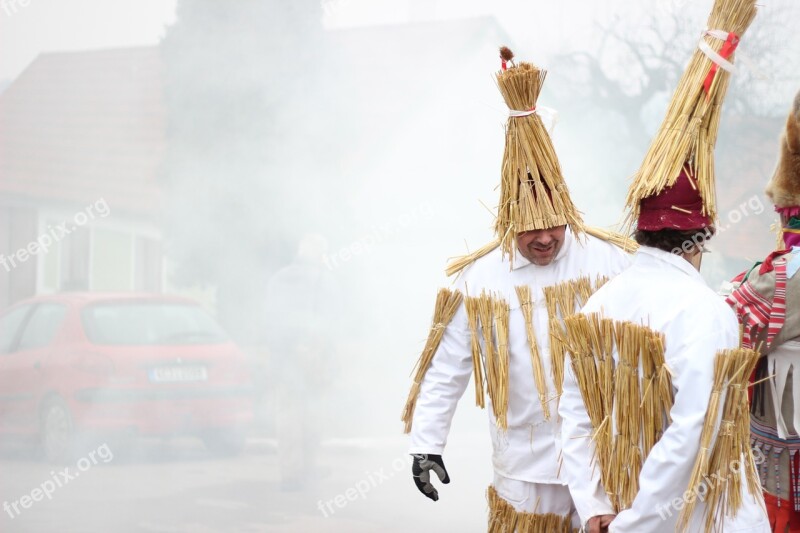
(440, 161)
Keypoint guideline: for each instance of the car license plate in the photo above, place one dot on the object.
(178, 374)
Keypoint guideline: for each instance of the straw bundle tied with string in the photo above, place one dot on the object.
(688, 134)
(626, 456)
(533, 194)
(526, 304)
(657, 397)
(486, 317)
(503, 518)
(493, 314)
(587, 357)
(500, 401)
(447, 303)
(713, 468)
(621, 241)
(638, 404)
(472, 306)
(563, 300)
(459, 263)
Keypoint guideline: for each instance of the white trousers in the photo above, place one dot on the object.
(538, 498)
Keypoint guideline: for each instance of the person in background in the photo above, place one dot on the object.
(766, 300)
(299, 327)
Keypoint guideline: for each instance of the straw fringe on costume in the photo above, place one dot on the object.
(488, 320)
(713, 474)
(639, 405)
(459, 263)
(564, 300)
(688, 134)
(447, 303)
(501, 362)
(472, 306)
(617, 239)
(503, 518)
(526, 304)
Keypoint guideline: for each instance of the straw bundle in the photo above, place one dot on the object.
(494, 314)
(503, 518)
(639, 406)
(500, 401)
(713, 467)
(627, 457)
(688, 134)
(588, 357)
(526, 304)
(657, 398)
(700, 469)
(472, 306)
(486, 317)
(533, 194)
(563, 300)
(447, 303)
(617, 239)
(459, 263)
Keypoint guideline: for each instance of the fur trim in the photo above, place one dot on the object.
(784, 187)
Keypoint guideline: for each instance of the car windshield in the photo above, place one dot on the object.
(147, 323)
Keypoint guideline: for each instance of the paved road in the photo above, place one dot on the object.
(177, 487)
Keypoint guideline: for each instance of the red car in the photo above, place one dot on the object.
(77, 364)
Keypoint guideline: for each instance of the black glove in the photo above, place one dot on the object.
(421, 469)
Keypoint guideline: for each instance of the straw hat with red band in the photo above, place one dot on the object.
(679, 207)
(687, 136)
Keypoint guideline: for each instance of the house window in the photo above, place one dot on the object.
(51, 265)
(148, 265)
(74, 261)
(112, 260)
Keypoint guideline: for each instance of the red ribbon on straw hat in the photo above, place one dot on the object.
(727, 50)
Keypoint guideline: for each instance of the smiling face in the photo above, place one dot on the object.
(541, 246)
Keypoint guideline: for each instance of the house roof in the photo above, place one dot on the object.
(79, 126)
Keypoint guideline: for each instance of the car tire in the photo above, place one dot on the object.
(57, 432)
(225, 443)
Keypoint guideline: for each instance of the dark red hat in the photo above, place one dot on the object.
(678, 207)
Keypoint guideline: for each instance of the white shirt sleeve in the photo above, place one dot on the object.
(444, 384)
(664, 478)
(583, 477)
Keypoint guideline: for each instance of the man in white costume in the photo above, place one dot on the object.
(527, 489)
(663, 290)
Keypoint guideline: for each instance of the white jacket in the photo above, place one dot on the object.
(664, 292)
(529, 450)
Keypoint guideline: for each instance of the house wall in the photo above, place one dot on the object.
(17, 265)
